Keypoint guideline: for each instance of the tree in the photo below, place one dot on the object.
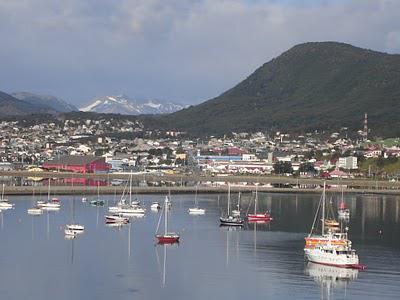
(307, 167)
(283, 167)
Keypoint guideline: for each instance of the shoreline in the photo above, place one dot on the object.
(110, 190)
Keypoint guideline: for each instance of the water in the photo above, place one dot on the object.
(37, 262)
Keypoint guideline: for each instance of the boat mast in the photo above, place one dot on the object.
(159, 219)
(323, 210)
(73, 203)
(342, 194)
(165, 217)
(130, 189)
(195, 198)
(98, 190)
(229, 198)
(48, 192)
(255, 202)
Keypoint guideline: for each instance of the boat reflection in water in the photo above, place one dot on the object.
(164, 264)
(330, 278)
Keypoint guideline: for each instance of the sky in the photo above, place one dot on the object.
(185, 51)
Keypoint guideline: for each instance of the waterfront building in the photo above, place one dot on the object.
(79, 164)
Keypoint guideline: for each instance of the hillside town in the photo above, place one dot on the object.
(120, 145)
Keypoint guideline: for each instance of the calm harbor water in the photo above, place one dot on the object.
(258, 261)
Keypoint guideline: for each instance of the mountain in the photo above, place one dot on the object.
(319, 85)
(44, 100)
(11, 106)
(123, 105)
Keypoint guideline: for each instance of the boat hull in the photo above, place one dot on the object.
(231, 221)
(167, 239)
(49, 205)
(35, 211)
(6, 205)
(258, 217)
(197, 211)
(75, 227)
(332, 258)
(116, 219)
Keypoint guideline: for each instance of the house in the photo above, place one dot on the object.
(338, 174)
(79, 164)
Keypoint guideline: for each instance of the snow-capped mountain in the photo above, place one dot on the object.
(123, 105)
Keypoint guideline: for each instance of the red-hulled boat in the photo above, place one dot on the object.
(256, 217)
(259, 217)
(166, 237)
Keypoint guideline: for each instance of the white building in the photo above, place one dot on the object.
(349, 162)
(249, 157)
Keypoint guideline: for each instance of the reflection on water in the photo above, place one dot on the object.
(210, 262)
(330, 278)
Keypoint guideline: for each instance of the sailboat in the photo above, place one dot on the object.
(49, 205)
(73, 228)
(166, 237)
(230, 220)
(98, 201)
(255, 217)
(116, 218)
(131, 209)
(4, 203)
(343, 212)
(328, 251)
(327, 235)
(196, 210)
(34, 210)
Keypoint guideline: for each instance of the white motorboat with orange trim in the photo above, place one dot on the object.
(327, 234)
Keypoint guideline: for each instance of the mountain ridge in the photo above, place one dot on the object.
(316, 85)
(53, 102)
(12, 106)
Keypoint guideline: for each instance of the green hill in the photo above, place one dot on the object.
(324, 85)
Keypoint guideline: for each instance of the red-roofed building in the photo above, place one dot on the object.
(338, 174)
(78, 164)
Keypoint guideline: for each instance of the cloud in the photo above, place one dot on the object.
(170, 49)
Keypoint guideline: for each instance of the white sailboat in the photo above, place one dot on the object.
(196, 210)
(4, 203)
(49, 205)
(34, 210)
(132, 209)
(327, 235)
(328, 252)
(73, 228)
